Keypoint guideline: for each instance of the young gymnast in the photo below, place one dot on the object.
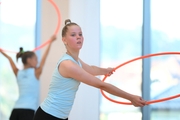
(69, 73)
(28, 83)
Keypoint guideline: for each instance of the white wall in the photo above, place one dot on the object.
(48, 26)
(86, 14)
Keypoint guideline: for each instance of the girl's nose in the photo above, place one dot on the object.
(78, 36)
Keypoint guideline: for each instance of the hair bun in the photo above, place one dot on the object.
(21, 50)
(67, 21)
(20, 53)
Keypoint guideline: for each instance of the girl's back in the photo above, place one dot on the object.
(28, 89)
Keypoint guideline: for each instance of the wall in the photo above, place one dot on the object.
(48, 26)
(86, 14)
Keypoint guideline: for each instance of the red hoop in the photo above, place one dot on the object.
(55, 32)
(142, 57)
(57, 28)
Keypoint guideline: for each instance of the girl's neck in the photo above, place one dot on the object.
(74, 55)
(27, 66)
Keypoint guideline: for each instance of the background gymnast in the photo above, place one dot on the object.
(28, 82)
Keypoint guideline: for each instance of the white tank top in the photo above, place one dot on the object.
(28, 90)
(61, 93)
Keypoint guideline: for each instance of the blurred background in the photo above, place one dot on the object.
(115, 31)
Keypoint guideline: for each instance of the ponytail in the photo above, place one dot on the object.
(20, 53)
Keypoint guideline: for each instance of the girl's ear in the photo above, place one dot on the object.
(64, 40)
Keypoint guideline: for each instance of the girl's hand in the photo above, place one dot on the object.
(137, 101)
(109, 71)
(1, 50)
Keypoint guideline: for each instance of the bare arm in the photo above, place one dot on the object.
(71, 70)
(94, 70)
(43, 60)
(13, 66)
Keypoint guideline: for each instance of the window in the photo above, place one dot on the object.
(121, 34)
(121, 40)
(17, 29)
(165, 70)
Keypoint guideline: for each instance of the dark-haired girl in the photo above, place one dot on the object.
(28, 82)
(69, 73)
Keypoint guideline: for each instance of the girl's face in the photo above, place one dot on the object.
(32, 61)
(73, 38)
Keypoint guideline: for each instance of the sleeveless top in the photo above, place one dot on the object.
(28, 89)
(61, 93)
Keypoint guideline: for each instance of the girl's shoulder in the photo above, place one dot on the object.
(67, 58)
(64, 57)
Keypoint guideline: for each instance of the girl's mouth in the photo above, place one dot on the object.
(79, 42)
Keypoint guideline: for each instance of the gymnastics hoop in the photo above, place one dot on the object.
(55, 32)
(138, 58)
(58, 25)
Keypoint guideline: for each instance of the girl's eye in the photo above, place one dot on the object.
(80, 34)
(73, 35)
